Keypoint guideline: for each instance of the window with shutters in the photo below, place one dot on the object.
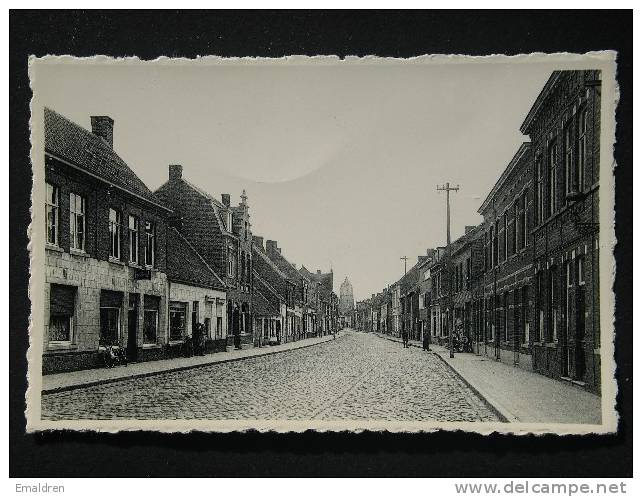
(52, 213)
(62, 300)
(77, 222)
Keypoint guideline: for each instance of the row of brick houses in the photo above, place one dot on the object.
(523, 285)
(142, 270)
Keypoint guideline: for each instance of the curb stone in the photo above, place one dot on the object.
(503, 414)
(146, 374)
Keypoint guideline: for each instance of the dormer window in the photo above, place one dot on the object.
(229, 221)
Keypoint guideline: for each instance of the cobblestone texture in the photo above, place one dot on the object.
(358, 376)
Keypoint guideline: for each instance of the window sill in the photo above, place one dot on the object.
(61, 346)
(152, 345)
(116, 261)
(78, 253)
(175, 342)
(53, 248)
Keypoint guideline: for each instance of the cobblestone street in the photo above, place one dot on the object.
(358, 376)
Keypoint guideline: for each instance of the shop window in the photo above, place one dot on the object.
(61, 313)
(150, 326)
(177, 323)
(110, 305)
(150, 319)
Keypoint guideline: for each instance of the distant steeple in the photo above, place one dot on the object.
(346, 297)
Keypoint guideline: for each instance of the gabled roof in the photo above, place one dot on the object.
(185, 264)
(262, 305)
(263, 255)
(80, 148)
(325, 279)
(285, 266)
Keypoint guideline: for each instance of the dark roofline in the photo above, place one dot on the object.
(191, 247)
(106, 181)
(509, 169)
(532, 113)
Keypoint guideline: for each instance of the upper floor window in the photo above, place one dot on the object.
(133, 229)
(581, 151)
(568, 158)
(505, 254)
(539, 170)
(52, 213)
(516, 227)
(552, 178)
(115, 221)
(150, 245)
(230, 262)
(581, 280)
(77, 221)
(524, 222)
(229, 221)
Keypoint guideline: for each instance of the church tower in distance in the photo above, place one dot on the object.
(346, 303)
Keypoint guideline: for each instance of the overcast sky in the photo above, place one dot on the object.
(340, 161)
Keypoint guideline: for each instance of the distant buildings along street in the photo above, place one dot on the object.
(523, 285)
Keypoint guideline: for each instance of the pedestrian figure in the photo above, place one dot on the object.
(426, 341)
(404, 337)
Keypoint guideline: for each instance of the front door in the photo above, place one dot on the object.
(132, 329)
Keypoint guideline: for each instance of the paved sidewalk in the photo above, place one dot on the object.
(518, 394)
(77, 379)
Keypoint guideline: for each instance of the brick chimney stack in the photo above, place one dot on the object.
(225, 198)
(258, 240)
(175, 172)
(272, 247)
(103, 126)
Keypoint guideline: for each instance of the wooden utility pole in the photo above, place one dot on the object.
(405, 263)
(447, 188)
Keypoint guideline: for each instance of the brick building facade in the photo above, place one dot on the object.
(564, 129)
(221, 233)
(105, 268)
(508, 306)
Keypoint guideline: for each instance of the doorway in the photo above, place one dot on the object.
(132, 328)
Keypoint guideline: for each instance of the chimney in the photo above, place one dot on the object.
(225, 198)
(103, 126)
(258, 240)
(318, 271)
(271, 246)
(467, 229)
(175, 172)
